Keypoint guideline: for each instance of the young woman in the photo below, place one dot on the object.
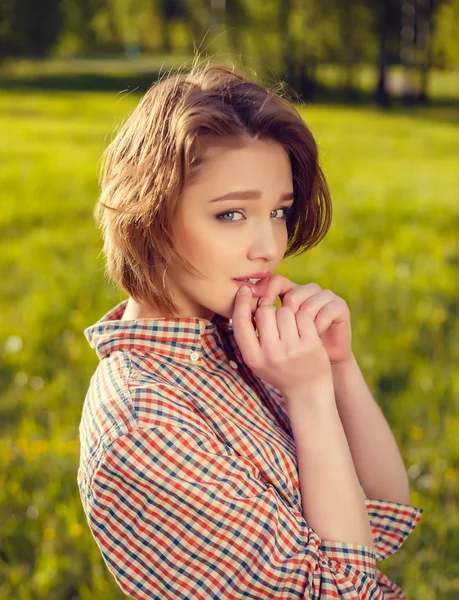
(229, 449)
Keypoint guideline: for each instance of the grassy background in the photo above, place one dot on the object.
(392, 253)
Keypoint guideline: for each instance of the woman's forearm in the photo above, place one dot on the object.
(374, 450)
(332, 498)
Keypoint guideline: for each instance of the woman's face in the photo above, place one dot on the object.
(236, 237)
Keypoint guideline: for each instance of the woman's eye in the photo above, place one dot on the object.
(221, 216)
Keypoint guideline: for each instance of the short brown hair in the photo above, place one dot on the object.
(155, 154)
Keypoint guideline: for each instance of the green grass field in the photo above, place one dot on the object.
(392, 253)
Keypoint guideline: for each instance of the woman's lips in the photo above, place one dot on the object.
(258, 289)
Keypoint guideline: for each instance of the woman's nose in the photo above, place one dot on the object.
(266, 243)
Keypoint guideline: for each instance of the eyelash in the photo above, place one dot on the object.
(287, 210)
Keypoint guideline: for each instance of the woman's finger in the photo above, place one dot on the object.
(244, 332)
(278, 286)
(317, 301)
(268, 333)
(332, 312)
(305, 324)
(301, 294)
(287, 326)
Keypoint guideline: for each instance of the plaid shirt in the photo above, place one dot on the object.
(189, 480)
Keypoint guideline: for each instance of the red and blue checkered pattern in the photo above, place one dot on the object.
(189, 479)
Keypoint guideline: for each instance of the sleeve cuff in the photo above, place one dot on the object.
(359, 556)
(391, 524)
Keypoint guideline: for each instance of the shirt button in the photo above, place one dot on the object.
(194, 355)
(233, 364)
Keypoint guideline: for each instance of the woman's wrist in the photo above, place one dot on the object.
(315, 395)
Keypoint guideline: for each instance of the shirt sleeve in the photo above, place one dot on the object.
(391, 522)
(177, 514)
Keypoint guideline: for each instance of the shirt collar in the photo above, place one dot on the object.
(183, 339)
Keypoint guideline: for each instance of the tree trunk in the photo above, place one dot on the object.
(287, 44)
(347, 26)
(307, 59)
(407, 48)
(425, 43)
(381, 94)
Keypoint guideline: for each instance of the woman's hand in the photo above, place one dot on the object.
(329, 312)
(287, 353)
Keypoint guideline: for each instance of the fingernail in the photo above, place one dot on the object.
(264, 302)
(244, 289)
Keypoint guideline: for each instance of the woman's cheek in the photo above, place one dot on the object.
(202, 246)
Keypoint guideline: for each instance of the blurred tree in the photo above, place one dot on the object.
(324, 31)
(128, 17)
(287, 49)
(386, 28)
(29, 28)
(6, 31)
(445, 42)
(291, 38)
(417, 25)
(88, 24)
(203, 20)
(301, 43)
(168, 10)
(216, 10)
(259, 38)
(235, 19)
(425, 21)
(351, 41)
(407, 50)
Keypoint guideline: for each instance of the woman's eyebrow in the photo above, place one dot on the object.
(248, 195)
